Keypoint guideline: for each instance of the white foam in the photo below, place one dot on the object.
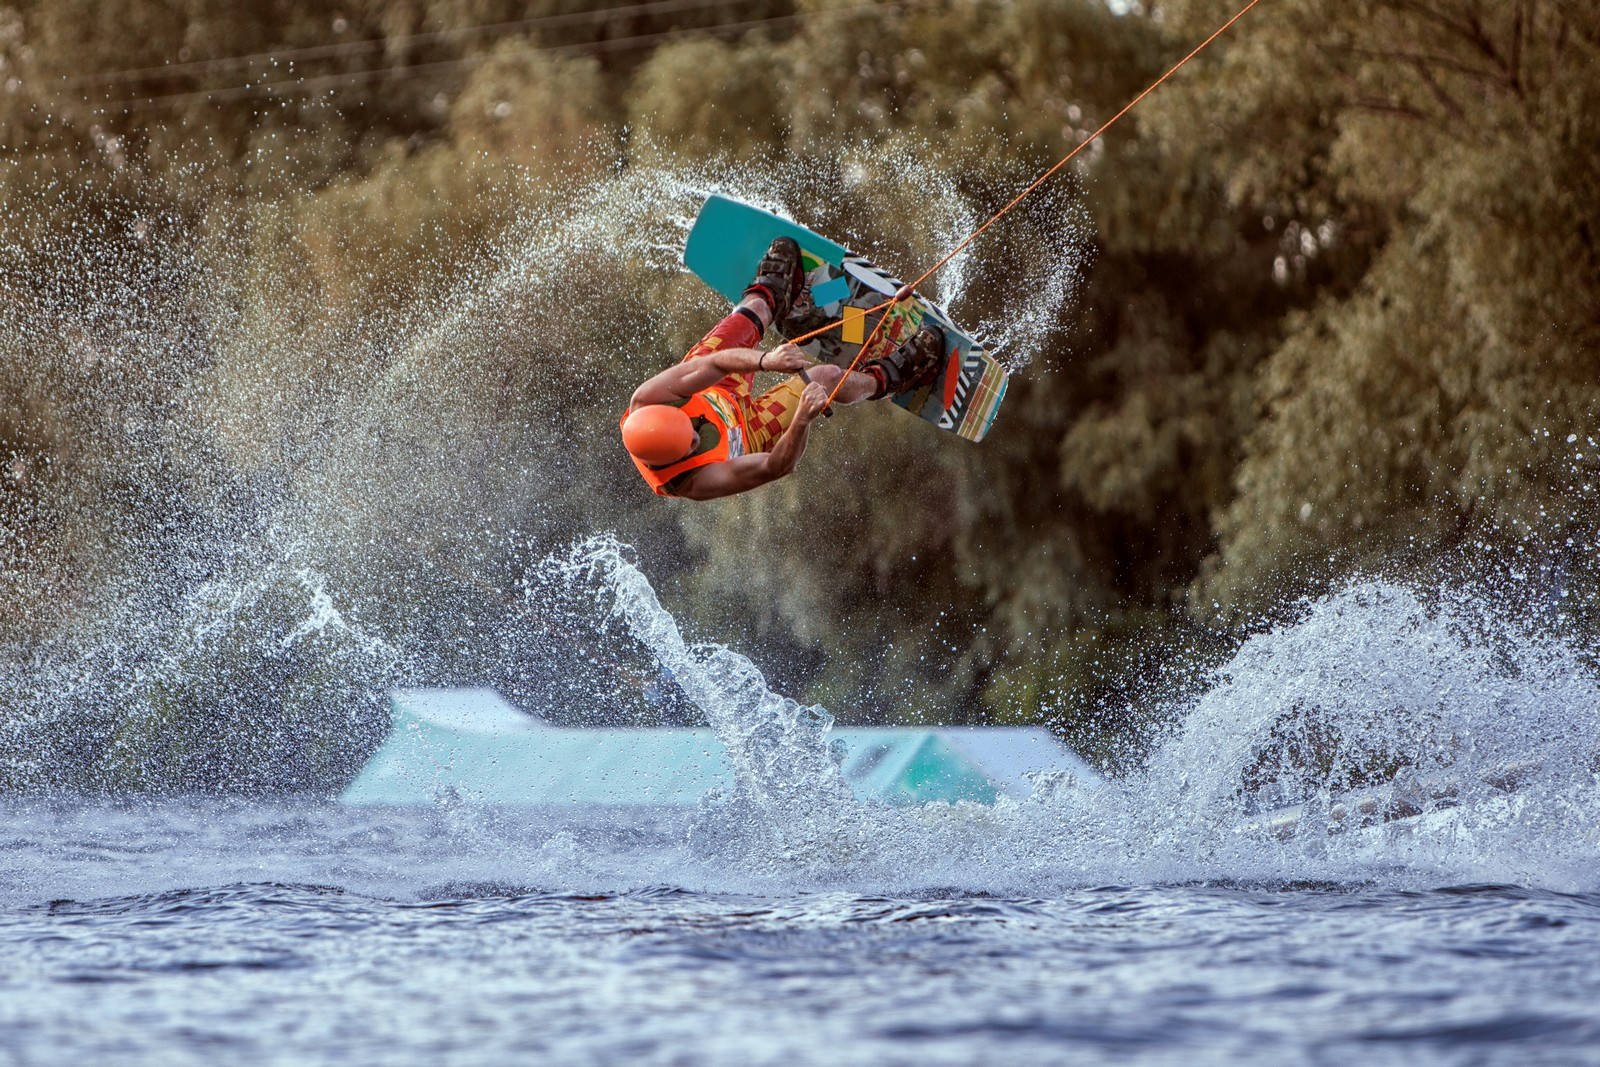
(1373, 679)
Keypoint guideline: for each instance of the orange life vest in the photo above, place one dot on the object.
(719, 435)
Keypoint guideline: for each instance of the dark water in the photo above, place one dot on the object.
(201, 933)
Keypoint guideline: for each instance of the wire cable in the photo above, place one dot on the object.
(323, 51)
(301, 84)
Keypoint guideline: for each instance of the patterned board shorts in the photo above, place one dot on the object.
(765, 416)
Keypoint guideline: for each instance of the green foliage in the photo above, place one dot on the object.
(734, 110)
(1413, 411)
(548, 115)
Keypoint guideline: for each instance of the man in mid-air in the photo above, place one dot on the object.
(694, 430)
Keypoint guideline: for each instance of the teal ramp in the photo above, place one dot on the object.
(496, 754)
(910, 766)
(472, 744)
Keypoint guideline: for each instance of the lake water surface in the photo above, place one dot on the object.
(1155, 918)
(198, 932)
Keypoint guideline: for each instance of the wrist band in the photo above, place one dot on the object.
(761, 363)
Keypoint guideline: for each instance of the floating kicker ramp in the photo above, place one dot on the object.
(472, 744)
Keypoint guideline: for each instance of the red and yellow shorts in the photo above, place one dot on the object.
(765, 416)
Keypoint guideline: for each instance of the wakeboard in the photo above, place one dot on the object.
(727, 242)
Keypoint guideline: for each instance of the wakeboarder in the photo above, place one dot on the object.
(697, 431)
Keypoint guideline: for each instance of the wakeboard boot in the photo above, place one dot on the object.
(779, 277)
(911, 366)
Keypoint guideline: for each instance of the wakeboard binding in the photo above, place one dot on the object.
(779, 277)
(910, 366)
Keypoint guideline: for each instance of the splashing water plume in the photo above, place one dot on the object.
(1470, 739)
(284, 506)
(245, 482)
(790, 806)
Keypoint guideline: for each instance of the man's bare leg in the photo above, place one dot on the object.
(857, 386)
(757, 305)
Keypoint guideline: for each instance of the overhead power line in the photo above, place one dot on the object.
(343, 48)
(297, 86)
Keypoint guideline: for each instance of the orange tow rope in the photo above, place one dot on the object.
(906, 290)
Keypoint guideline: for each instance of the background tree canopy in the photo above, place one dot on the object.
(1327, 303)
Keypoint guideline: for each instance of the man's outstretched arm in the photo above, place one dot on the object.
(747, 472)
(679, 383)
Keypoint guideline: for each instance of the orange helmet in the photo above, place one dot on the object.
(658, 433)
